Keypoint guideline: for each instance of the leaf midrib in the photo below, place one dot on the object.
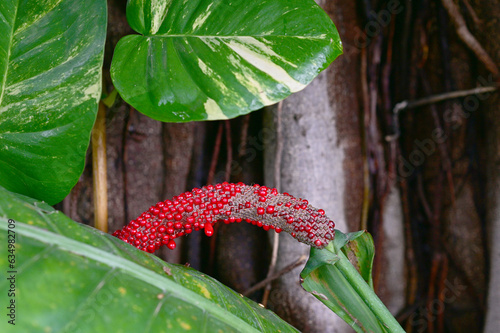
(133, 269)
(233, 36)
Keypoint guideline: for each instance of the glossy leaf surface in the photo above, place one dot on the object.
(217, 59)
(73, 278)
(51, 54)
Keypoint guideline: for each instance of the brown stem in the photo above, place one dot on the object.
(99, 170)
(472, 12)
(442, 147)
(229, 148)
(210, 180)
(469, 40)
(412, 269)
(441, 97)
(423, 198)
(215, 155)
(441, 288)
(431, 100)
(243, 135)
(276, 275)
(366, 169)
(431, 291)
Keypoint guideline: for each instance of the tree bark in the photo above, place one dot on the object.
(322, 162)
(311, 168)
(392, 284)
(489, 12)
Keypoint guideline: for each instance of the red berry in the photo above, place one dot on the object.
(209, 230)
(171, 244)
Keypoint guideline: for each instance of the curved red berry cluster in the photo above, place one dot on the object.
(201, 208)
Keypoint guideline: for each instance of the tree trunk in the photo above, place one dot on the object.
(489, 12)
(392, 281)
(321, 160)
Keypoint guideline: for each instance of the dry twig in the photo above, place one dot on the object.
(469, 40)
(431, 100)
(276, 275)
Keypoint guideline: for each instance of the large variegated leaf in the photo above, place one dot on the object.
(217, 59)
(51, 55)
(73, 278)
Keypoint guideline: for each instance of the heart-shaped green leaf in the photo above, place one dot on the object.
(73, 278)
(217, 59)
(51, 54)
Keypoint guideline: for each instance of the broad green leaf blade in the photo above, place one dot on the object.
(326, 282)
(73, 278)
(217, 59)
(340, 277)
(360, 251)
(51, 54)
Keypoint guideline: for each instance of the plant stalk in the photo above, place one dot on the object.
(367, 294)
(99, 170)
